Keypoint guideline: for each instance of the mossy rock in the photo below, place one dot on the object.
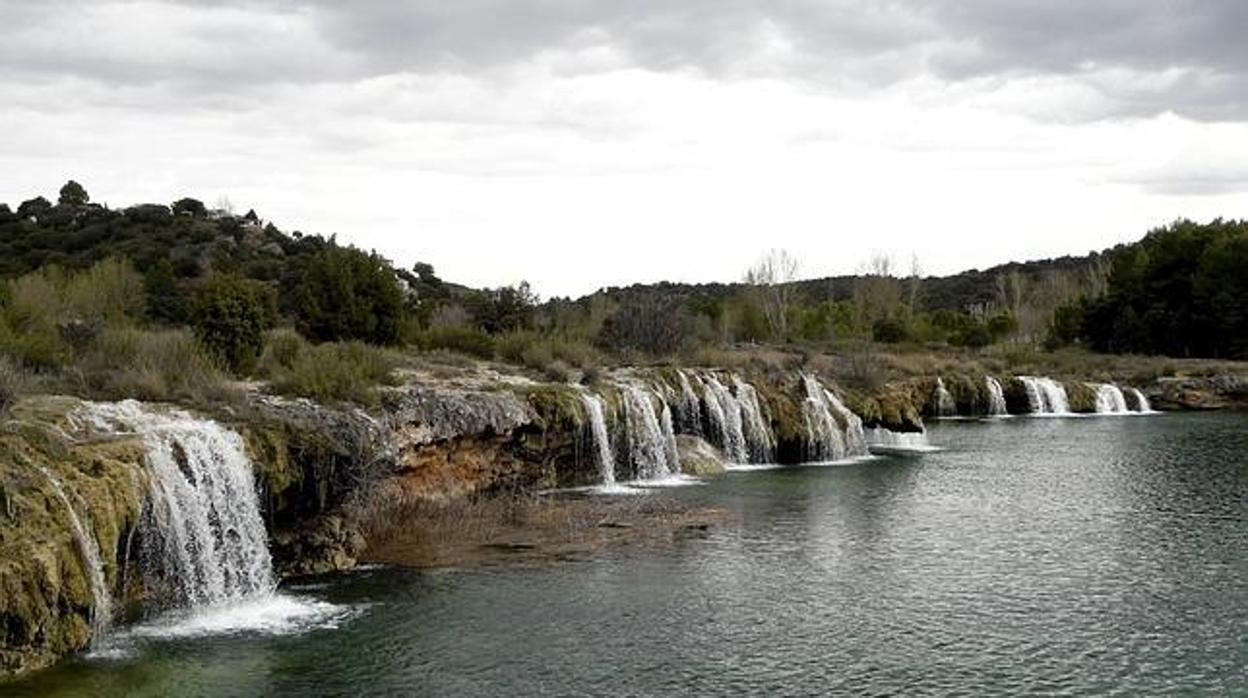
(45, 597)
(970, 394)
(1016, 399)
(697, 457)
(1081, 397)
(557, 406)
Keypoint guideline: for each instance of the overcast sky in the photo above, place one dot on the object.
(584, 143)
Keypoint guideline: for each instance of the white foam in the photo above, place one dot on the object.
(278, 614)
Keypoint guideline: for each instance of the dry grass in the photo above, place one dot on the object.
(162, 365)
(14, 383)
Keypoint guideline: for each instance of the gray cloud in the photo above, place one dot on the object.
(1185, 56)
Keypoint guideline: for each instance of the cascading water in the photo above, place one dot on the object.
(202, 532)
(945, 406)
(601, 446)
(651, 448)
(725, 421)
(826, 440)
(1141, 402)
(669, 439)
(93, 565)
(1045, 395)
(887, 441)
(855, 437)
(1109, 399)
(996, 398)
(759, 440)
(689, 407)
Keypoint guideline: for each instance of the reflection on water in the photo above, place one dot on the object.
(1028, 556)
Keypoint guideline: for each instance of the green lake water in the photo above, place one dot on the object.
(1089, 556)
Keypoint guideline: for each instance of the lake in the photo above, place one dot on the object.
(1099, 555)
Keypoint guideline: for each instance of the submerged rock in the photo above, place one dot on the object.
(697, 457)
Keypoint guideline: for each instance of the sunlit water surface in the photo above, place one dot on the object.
(1080, 556)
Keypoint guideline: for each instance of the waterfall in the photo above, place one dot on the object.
(945, 406)
(855, 437)
(598, 435)
(651, 448)
(826, 440)
(1045, 395)
(689, 407)
(202, 531)
(1141, 402)
(760, 442)
(92, 564)
(669, 439)
(887, 441)
(996, 398)
(1109, 399)
(725, 420)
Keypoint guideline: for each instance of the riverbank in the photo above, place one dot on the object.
(443, 469)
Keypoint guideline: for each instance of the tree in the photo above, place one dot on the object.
(34, 208)
(653, 323)
(772, 278)
(504, 309)
(73, 194)
(189, 207)
(877, 292)
(230, 316)
(346, 293)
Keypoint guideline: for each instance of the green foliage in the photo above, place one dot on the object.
(1067, 325)
(166, 300)
(49, 314)
(1181, 291)
(465, 340)
(546, 354)
(333, 371)
(230, 316)
(73, 194)
(189, 207)
(164, 365)
(889, 331)
(504, 309)
(346, 293)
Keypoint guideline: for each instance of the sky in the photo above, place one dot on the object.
(578, 144)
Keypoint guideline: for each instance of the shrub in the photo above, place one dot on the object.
(150, 365)
(282, 348)
(109, 291)
(346, 371)
(511, 347)
(528, 349)
(466, 340)
(230, 316)
(889, 331)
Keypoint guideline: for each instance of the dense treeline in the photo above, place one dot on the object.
(1181, 291)
(170, 301)
(160, 301)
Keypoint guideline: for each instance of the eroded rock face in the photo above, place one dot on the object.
(1200, 393)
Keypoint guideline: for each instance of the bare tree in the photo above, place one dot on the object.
(772, 277)
(914, 285)
(877, 292)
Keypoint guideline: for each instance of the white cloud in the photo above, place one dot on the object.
(574, 163)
